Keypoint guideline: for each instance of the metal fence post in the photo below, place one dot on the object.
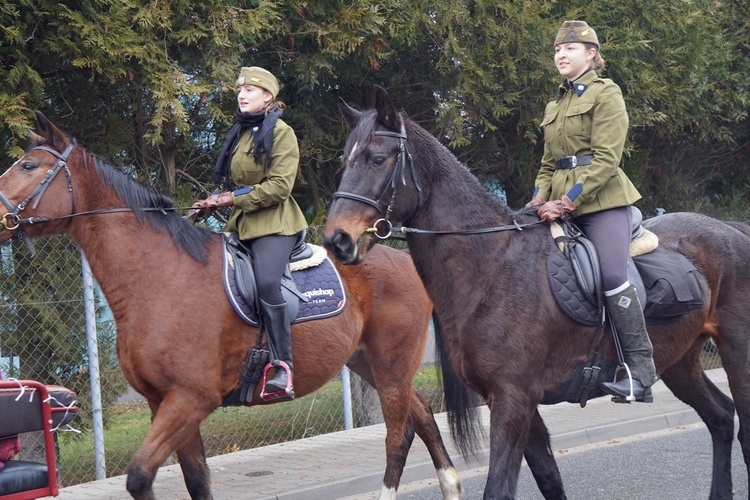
(93, 355)
(346, 394)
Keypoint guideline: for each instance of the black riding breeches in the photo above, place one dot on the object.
(270, 256)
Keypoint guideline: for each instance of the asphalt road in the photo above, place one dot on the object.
(671, 464)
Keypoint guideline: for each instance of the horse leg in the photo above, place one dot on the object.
(176, 420)
(687, 380)
(399, 428)
(427, 429)
(511, 414)
(192, 457)
(542, 462)
(735, 358)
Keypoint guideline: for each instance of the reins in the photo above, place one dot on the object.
(382, 228)
(403, 229)
(12, 220)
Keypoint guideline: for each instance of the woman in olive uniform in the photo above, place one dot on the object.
(259, 160)
(584, 134)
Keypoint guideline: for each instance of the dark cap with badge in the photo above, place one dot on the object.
(576, 32)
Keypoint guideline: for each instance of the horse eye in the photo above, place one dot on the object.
(378, 161)
(27, 166)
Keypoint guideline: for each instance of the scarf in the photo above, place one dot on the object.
(261, 126)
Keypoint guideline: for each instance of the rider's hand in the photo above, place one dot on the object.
(204, 208)
(553, 210)
(535, 202)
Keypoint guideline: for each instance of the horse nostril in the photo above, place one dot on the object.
(340, 244)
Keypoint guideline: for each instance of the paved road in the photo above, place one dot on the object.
(668, 464)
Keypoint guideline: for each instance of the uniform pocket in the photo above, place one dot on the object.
(578, 119)
(549, 117)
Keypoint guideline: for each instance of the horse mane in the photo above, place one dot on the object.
(156, 208)
(444, 163)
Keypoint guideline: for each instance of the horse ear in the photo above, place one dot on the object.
(387, 114)
(351, 115)
(49, 132)
(35, 139)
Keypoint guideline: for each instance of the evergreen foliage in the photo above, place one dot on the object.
(150, 85)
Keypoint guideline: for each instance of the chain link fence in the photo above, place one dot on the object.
(43, 336)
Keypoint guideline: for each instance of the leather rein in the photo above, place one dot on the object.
(382, 228)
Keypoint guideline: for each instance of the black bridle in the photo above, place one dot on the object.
(382, 228)
(12, 220)
(398, 172)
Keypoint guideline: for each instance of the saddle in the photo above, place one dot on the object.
(666, 282)
(311, 286)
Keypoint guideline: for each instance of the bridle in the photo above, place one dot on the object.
(382, 228)
(398, 172)
(12, 220)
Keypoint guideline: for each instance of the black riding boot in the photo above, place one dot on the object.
(280, 343)
(625, 313)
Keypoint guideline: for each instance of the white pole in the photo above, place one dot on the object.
(346, 387)
(93, 352)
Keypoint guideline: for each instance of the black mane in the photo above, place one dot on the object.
(156, 208)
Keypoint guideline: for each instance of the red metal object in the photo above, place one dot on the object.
(39, 394)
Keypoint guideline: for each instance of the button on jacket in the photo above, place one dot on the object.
(592, 123)
(269, 207)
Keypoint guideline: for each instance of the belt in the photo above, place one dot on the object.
(573, 161)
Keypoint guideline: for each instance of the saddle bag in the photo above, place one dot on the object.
(672, 285)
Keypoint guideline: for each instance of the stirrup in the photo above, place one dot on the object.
(286, 394)
(647, 397)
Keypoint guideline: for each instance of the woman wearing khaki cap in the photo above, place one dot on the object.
(259, 161)
(585, 128)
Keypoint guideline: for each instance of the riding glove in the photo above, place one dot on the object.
(553, 210)
(535, 202)
(205, 208)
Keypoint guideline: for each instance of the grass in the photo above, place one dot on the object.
(226, 430)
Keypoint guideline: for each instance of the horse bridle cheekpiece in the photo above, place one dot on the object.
(382, 227)
(12, 221)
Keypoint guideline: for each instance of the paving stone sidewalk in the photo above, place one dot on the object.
(350, 462)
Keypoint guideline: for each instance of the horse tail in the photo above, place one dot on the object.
(461, 404)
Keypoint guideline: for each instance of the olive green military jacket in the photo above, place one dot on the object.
(592, 123)
(269, 207)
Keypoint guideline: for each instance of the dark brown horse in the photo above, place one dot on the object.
(180, 342)
(504, 332)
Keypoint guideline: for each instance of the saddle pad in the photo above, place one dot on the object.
(565, 289)
(321, 284)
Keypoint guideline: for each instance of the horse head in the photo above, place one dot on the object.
(375, 164)
(33, 190)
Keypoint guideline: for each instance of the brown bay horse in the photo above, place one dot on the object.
(503, 331)
(180, 342)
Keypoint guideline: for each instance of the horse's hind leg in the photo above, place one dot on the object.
(542, 462)
(428, 431)
(687, 380)
(176, 421)
(192, 457)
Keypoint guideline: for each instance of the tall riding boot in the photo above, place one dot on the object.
(625, 313)
(280, 343)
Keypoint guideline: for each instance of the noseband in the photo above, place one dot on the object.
(12, 221)
(398, 172)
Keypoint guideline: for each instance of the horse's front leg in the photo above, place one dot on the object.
(511, 414)
(176, 421)
(542, 462)
(192, 457)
